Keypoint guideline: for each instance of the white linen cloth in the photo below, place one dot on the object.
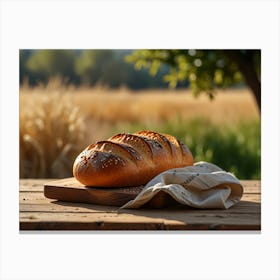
(203, 185)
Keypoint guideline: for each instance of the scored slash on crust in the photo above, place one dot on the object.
(130, 159)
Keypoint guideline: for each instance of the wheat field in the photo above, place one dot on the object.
(110, 107)
(56, 121)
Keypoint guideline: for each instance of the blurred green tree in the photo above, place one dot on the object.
(87, 67)
(206, 70)
(24, 55)
(108, 67)
(43, 64)
(91, 65)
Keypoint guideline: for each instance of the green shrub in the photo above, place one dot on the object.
(235, 148)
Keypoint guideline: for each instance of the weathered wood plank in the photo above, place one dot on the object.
(33, 196)
(145, 220)
(35, 185)
(40, 213)
(251, 197)
(65, 207)
(39, 198)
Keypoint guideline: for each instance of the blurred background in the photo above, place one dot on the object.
(209, 99)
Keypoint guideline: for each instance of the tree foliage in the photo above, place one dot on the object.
(46, 63)
(206, 70)
(90, 67)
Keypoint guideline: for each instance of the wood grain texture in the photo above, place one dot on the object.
(40, 213)
(71, 190)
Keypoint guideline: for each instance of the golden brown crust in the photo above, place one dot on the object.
(157, 138)
(135, 141)
(130, 159)
(120, 149)
(176, 147)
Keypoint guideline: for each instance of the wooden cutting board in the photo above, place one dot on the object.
(71, 190)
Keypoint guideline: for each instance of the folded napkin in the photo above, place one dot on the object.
(203, 185)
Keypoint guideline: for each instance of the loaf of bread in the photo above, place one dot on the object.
(130, 159)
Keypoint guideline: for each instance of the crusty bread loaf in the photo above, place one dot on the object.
(130, 159)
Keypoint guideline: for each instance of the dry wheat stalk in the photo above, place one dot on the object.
(52, 132)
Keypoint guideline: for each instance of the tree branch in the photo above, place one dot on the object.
(246, 67)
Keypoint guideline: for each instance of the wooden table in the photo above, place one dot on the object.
(40, 213)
